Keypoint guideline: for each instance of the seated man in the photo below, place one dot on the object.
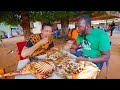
(95, 43)
(39, 43)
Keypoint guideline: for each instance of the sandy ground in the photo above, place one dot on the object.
(9, 59)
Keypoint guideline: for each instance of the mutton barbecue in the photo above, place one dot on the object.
(56, 56)
(41, 69)
(69, 69)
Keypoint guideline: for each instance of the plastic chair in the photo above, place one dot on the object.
(20, 46)
(107, 65)
(106, 69)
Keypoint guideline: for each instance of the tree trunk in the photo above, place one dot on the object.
(64, 27)
(25, 24)
(106, 22)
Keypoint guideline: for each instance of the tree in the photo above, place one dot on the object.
(15, 18)
(25, 17)
(25, 23)
(65, 16)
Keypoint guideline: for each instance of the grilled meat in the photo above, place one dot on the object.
(41, 69)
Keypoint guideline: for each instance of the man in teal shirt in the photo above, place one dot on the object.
(95, 43)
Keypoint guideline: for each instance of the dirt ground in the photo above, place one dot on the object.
(9, 59)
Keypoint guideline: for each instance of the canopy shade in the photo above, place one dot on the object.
(101, 17)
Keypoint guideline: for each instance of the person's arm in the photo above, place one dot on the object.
(52, 47)
(105, 55)
(69, 38)
(75, 45)
(29, 50)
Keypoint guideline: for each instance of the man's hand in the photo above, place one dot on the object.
(78, 59)
(44, 40)
(54, 48)
(70, 41)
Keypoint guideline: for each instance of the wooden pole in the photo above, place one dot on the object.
(106, 22)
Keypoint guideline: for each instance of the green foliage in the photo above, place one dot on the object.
(10, 17)
(14, 17)
(51, 16)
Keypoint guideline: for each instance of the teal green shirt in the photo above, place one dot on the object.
(98, 40)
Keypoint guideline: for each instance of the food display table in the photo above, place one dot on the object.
(22, 63)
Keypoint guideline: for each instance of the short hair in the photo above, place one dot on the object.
(86, 18)
(46, 24)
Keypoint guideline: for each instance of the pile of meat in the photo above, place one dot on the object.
(56, 56)
(41, 69)
(69, 69)
(62, 64)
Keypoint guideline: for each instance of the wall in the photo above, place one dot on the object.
(59, 26)
(70, 26)
(5, 28)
